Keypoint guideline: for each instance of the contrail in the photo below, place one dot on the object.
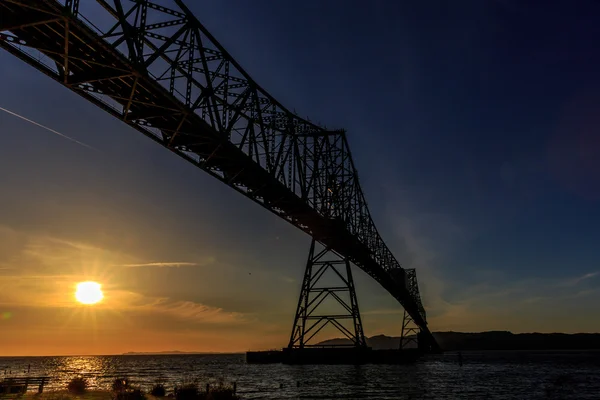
(48, 129)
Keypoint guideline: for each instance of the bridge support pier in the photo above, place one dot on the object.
(410, 333)
(322, 266)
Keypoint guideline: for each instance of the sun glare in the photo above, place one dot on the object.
(89, 293)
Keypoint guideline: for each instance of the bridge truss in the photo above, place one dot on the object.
(154, 66)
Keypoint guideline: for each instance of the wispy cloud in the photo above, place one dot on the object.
(175, 264)
(491, 299)
(46, 128)
(396, 311)
(184, 310)
(202, 261)
(55, 292)
(579, 279)
(189, 310)
(52, 254)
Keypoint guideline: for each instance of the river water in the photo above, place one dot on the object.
(483, 375)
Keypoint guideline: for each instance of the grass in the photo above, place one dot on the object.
(123, 390)
(65, 395)
(191, 391)
(216, 393)
(132, 394)
(220, 391)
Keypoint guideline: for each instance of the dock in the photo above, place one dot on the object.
(19, 385)
(333, 355)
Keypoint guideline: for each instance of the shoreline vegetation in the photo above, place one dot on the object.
(123, 389)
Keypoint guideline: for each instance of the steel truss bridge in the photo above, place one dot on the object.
(155, 67)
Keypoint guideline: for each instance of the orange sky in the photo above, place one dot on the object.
(188, 264)
(41, 317)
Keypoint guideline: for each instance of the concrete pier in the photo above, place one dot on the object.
(333, 355)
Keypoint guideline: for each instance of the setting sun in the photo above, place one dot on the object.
(89, 293)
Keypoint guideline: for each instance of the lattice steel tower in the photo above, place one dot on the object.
(308, 322)
(159, 70)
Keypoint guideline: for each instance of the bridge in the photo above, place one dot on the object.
(155, 67)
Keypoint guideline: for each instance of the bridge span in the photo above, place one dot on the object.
(154, 66)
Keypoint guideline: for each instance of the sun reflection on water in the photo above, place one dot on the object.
(502, 376)
(90, 367)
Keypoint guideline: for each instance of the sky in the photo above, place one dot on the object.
(474, 128)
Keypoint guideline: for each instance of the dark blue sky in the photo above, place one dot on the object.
(483, 112)
(473, 124)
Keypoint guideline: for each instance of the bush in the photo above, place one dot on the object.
(158, 390)
(187, 392)
(133, 394)
(217, 391)
(221, 391)
(77, 385)
(120, 385)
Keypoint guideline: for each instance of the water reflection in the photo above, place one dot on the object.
(481, 376)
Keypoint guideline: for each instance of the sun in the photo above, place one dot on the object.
(89, 292)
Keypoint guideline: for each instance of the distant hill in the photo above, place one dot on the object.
(158, 353)
(376, 342)
(501, 340)
(495, 340)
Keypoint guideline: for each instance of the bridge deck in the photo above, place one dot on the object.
(80, 57)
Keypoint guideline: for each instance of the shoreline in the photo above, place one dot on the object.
(92, 394)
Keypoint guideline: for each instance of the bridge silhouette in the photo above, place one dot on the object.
(154, 66)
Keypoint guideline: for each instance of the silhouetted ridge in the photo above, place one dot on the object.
(493, 340)
(168, 352)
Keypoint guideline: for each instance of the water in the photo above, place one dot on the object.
(485, 375)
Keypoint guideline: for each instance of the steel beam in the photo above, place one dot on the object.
(310, 318)
(162, 58)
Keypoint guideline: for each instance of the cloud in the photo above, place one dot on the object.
(161, 264)
(40, 254)
(384, 311)
(40, 291)
(170, 264)
(422, 241)
(577, 280)
(54, 251)
(55, 293)
(126, 302)
(48, 129)
(192, 311)
(11, 242)
(491, 300)
(41, 271)
(520, 306)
